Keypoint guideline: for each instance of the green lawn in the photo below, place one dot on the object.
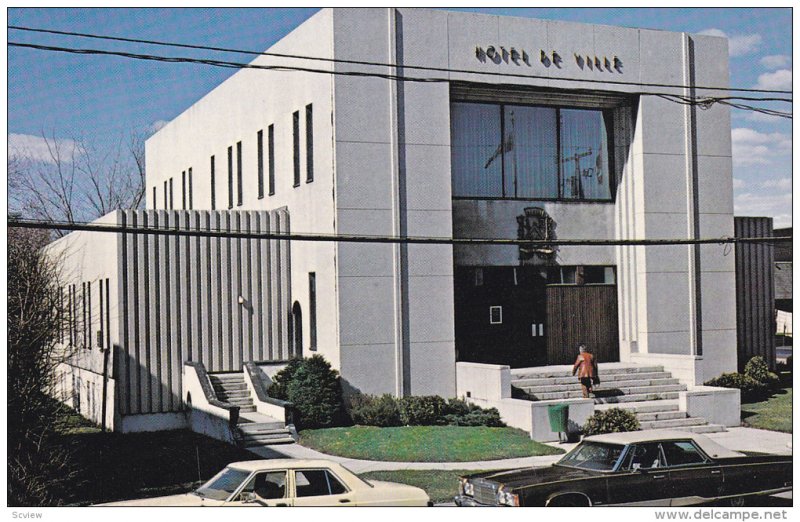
(775, 413)
(441, 485)
(425, 443)
(116, 466)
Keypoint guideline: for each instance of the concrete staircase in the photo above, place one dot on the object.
(256, 429)
(648, 391)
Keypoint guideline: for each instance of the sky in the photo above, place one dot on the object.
(99, 99)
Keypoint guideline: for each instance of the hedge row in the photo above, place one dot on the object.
(427, 410)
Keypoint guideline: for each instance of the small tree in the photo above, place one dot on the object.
(314, 389)
(37, 469)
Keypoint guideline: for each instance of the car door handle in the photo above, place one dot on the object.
(344, 500)
(716, 472)
(657, 477)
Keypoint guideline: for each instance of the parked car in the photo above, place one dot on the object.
(644, 468)
(290, 482)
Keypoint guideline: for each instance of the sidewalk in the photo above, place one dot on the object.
(740, 439)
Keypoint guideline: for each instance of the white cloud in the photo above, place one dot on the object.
(751, 147)
(776, 206)
(780, 79)
(739, 44)
(35, 148)
(738, 183)
(157, 125)
(775, 61)
(778, 183)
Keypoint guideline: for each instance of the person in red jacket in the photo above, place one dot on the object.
(586, 365)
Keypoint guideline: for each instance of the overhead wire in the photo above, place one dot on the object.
(351, 238)
(703, 102)
(376, 64)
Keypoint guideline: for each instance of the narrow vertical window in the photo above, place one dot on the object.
(309, 144)
(89, 314)
(183, 190)
(102, 330)
(190, 189)
(166, 195)
(61, 315)
(296, 146)
(83, 315)
(230, 177)
(312, 309)
(271, 159)
(213, 185)
(239, 189)
(260, 158)
(153, 205)
(171, 195)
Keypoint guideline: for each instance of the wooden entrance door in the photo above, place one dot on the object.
(577, 314)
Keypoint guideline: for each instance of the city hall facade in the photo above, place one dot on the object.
(500, 127)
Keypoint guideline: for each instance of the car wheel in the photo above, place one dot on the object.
(737, 501)
(569, 501)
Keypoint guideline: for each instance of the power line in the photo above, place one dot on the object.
(345, 238)
(703, 102)
(370, 63)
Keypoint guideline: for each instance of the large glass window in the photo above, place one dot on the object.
(530, 152)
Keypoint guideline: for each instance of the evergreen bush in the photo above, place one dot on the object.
(314, 389)
(613, 420)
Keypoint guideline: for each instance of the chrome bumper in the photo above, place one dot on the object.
(464, 501)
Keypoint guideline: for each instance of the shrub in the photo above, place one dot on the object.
(613, 420)
(369, 410)
(314, 389)
(461, 413)
(757, 369)
(423, 410)
(750, 388)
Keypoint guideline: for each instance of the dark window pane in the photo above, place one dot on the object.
(337, 488)
(230, 177)
(531, 165)
(476, 154)
(239, 188)
(312, 304)
(584, 155)
(296, 146)
(183, 190)
(309, 144)
(271, 152)
(213, 186)
(190, 188)
(681, 453)
(260, 147)
(311, 483)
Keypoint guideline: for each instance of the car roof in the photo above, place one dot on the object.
(268, 464)
(711, 448)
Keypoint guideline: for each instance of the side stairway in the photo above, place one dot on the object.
(257, 429)
(648, 391)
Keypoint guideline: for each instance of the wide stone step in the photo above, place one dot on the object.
(286, 439)
(639, 397)
(707, 428)
(233, 393)
(605, 385)
(271, 432)
(607, 393)
(543, 381)
(230, 385)
(239, 402)
(262, 427)
(226, 379)
(247, 409)
(566, 371)
(672, 423)
(660, 415)
(643, 407)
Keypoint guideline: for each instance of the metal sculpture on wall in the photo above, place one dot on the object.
(536, 225)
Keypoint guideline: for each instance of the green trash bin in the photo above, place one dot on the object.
(559, 417)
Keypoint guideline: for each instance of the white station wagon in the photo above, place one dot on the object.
(290, 482)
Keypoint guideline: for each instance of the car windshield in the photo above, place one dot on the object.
(593, 455)
(223, 484)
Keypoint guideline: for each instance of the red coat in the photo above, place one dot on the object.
(586, 364)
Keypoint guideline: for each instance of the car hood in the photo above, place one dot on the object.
(528, 476)
(411, 491)
(185, 500)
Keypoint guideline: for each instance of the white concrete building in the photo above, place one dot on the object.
(522, 129)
